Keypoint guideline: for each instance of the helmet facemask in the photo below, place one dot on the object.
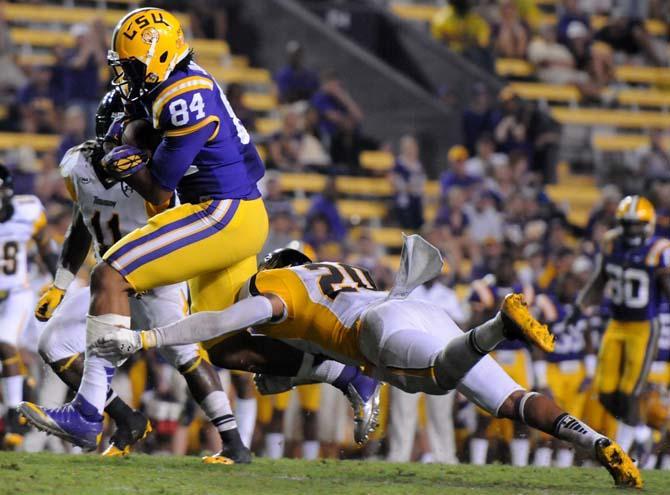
(635, 232)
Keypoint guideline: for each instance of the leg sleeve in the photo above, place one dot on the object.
(487, 385)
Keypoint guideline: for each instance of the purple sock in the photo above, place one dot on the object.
(364, 385)
(86, 409)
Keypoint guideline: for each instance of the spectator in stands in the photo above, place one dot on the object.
(464, 31)
(486, 161)
(37, 101)
(578, 41)
(282, 231)
(452, 212)
(207, 18)
(479, 118)
(554, 62)
(511, 34)
(291, 149)
(318, 232)
(572, 12)
(486, 222)
(11, 76)
(324, 206)
(366, 252)
(456, 174)
(74, 127)
(235, 95)
(655, 162)
(628, 37)
(273, 195)
(409, 180)
(340, 118)
(79, 71)
(511, 133)
(295, 82)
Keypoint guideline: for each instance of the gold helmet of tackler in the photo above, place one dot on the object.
(636, 211)
(146, 45)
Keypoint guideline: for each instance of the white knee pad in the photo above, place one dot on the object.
(59, 342)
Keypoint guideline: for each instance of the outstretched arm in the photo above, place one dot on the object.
(592, 293)
(193, 329)
(76, 245)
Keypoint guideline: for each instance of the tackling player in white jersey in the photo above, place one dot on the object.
(22, 221)
(104, 211)
(334, 309)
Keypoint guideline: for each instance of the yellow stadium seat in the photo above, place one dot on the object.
(16, 12)
(39, 142)
(414, 12)
(615, 118)
(619, 142)
(433, 188)
(268, 126)
(260, 102)
(309, 183)
(30, 59)
(644, 97)
(242, 75)
(379, 161)
(349, 208)
(209, 48)
(365, 186)
(583, 196)
(643, 75)
(4, 111)
(514, 67)
(390, 237)
(546, 92)
(391, 261)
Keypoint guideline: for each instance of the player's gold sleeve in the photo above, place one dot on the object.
(69, 185)
(39, 223)
(280, 282)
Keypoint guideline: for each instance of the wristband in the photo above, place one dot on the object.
(63, 278)
(148, 338)
(540, 370)
(590, 361)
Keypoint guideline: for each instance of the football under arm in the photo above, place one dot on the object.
(207, 325)
(169, 163)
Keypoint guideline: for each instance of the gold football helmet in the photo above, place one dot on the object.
(146, 45)
(637, 218)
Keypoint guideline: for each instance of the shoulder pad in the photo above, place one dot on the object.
(191, 81)
(74, 157)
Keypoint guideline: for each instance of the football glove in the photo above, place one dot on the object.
(124, 161)
(118, 344)
(48, 303)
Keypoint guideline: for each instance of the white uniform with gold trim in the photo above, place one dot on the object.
(17, 298)
(109, 213)
(333, 308)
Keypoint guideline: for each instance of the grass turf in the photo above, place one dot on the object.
(84, 474)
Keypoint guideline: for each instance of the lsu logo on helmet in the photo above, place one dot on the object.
(146, 45)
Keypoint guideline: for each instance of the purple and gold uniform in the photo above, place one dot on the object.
(213, 237)
(630, 341)
(566, 371)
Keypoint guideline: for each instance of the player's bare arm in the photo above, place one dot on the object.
(592, 293)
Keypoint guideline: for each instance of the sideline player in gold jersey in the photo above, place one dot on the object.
(334, 309)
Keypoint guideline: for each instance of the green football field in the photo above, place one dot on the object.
(89, 474)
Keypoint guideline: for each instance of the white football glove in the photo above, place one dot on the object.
(118, 344)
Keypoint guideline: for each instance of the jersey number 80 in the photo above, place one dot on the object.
(628, 287)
